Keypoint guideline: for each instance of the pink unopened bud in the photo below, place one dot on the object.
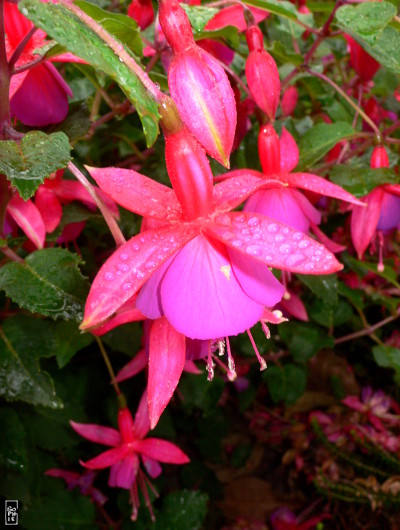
(379, 157)
(187, 165)
(262, 74)
(365, 65)
(289, 101)
(142, 12)
(199, 86)
(269, 150)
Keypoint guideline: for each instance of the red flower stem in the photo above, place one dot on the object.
(4, 79)
(109, 219)
(20, 48)
(28, 66)
(108, 364)
(368, 331)
(358, 109)
(117, 48)
(7, 251)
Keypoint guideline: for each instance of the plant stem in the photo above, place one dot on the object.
(20, 48)
(367, 331)
(109, 219)
(117, 48)
(4, 79)
(108, 364)
(358, 109)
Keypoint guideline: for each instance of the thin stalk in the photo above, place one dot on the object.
(117, 48)
(4, 79)
(20, 48)
(7, 251)
(109, 219)
(358, 109)
(367, 331)
(108, 364)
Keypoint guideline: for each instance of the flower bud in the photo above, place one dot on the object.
(269, 150)
(262, 74)
(199, 86)
(142, 12)
(289, 101)
(379, 157)
(365, 65)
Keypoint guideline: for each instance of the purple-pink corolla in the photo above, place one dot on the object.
(129, 447)
(83, 481)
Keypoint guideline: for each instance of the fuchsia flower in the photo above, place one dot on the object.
(287, 204)
(206, 270)
(198, 85)
(382, 213)
(129, 447)
(27, 216)
(365, 65)
(82, 481)
(234, 16)
(375, 405)
(38, 96)
(142, 12)
(262, 73)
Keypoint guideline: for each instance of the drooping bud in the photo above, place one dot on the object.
(269, 150)
(142, 12)
(379, 157)
(199, 86)
(362, 62)
(262, 73)
(289, 101)
(187, 164)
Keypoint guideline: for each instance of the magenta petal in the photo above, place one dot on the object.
(130, 267)
(142, 419)
(200, 295)
(390, 212)
(123, 474)
(279, 204)
(108, 458)
(312, 214)
(42, 97)
(49, 207)
(273, 243)
(149, 297)
(166, 361)
(97, 433)
(28, 218)
(256, 280)
(289, 151)
(133, 367)
(364, 220)
(153, 468)
(137, 193)
(161, 450)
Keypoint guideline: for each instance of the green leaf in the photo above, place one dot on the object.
(23, 341)
(62, 509)
(227, 33)
(285, 9)
(329, 316)
(388, 357)
(13, 450)
(367, 24)
(280, 52)
(182, 509)
(28, 162)
(199, 16)
(68, 341)
(305, 340)
(360, 180)
(285, 383)
(67, 29)
(48, 282)
(324, 287)
(319, 140)
(122, 27)
(77, 123)
(367, 20)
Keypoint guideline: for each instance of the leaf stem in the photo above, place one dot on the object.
(109, 219)
(108, 364)
(367, 331)
(20, 48)
(4, 80)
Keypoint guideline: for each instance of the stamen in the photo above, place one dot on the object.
(134, 501)
(210, 364)
(231, 362)
(142, 484)
(221, 348)
(263, 364)
(381, 266)
(265, 329)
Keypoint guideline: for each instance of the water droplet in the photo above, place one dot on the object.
(309, 266)
(304, 244)
(273, 227)
(122, 267)
(237, 243)
(240, 219)
(254, 250)
(294, 259)
(286, 230)
(279, 238)
(285, 249)
(297, 236)
(126, 286)
(268, 258)
(166, 249)
(135, 246)
(109, 276)
(150, 265)
(124, 256)
(253, 221)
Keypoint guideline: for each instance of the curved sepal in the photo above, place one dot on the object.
(28, 218)
(161, 450)
(364, 221)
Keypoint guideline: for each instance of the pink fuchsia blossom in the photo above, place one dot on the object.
(364, 65)
(39, 95)
(375, 405)
(142, 12)
(381, 214)
(82, 481)
(199, 86)
(285, 519)
(129, 447)
(27, 216)
(262, 73)
(234, 16)
(288, 204)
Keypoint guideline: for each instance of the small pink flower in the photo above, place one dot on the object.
(82, 481)
(129, 447)
(142, 12)
(365, 65)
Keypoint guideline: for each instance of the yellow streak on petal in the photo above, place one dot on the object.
(226, 271)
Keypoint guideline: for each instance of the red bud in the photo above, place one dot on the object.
(379, 157)
(269, 150)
